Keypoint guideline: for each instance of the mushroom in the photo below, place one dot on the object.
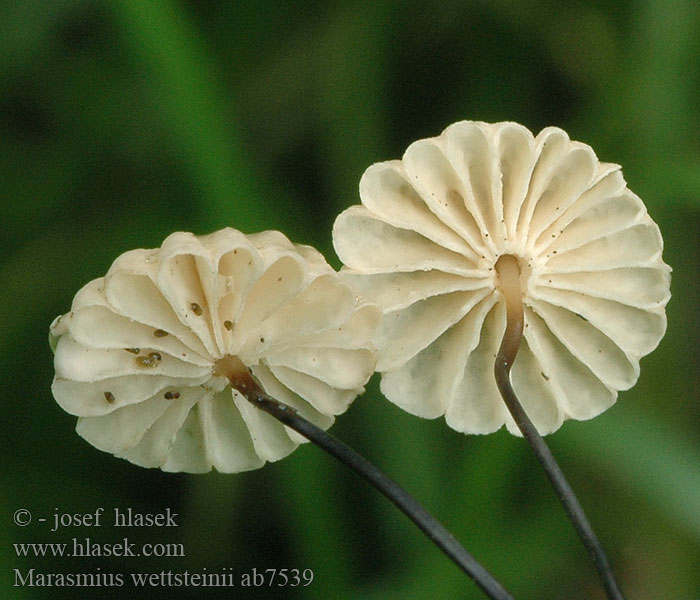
(485, 215)
(156, 356)
(520, 280)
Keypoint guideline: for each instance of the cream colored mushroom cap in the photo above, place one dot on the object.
(424, 243)
(136, 357)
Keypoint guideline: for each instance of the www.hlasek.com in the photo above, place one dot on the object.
(87, 548)
(222, 578)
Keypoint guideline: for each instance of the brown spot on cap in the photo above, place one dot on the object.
(146, 361)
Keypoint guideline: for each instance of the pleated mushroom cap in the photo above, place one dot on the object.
(425, 241)
(140, 358)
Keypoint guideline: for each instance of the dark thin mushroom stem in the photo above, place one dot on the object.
(508, 270)
(440, 536)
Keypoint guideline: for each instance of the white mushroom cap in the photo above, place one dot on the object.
(136, 357)
(424, 243)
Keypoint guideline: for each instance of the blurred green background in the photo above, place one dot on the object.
(121, 122)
